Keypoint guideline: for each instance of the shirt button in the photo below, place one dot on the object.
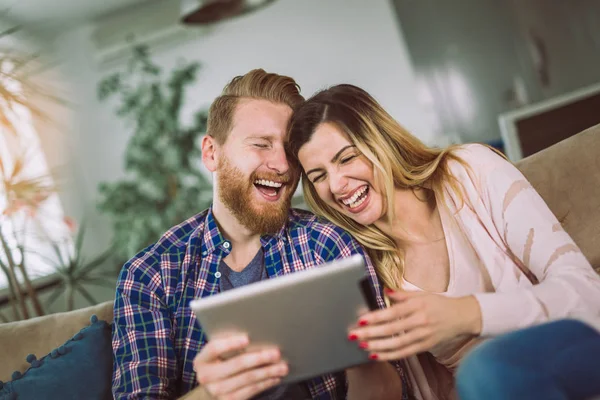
(204, 253)
(226, 245)
(217, 275)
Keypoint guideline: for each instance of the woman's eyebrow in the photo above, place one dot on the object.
(333, 160)
(314, 170)
(339, 153)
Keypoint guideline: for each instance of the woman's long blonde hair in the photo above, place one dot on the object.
(399, 159)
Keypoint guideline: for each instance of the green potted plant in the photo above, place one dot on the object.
(163, 184)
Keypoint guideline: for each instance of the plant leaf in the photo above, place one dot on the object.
(86, 294)
(57, 292)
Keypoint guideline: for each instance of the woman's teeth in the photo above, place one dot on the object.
(358, 203)
(356, 199)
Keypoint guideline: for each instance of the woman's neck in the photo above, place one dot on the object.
(416, 218)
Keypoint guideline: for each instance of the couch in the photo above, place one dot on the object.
(567, 175)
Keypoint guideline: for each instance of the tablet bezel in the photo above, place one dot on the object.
(315, 345)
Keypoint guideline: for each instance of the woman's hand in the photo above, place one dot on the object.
(414, 323)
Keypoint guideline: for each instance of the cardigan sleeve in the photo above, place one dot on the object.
(567, 286)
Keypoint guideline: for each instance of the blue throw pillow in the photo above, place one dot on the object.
(79, 369)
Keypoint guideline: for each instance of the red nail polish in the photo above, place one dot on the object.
(373, 356)
(362, 322)
(352, 337)
(363, 345)
(388, 291)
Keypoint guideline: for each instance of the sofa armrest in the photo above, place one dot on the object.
(42, 334)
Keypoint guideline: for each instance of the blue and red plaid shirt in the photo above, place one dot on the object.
(155, 334)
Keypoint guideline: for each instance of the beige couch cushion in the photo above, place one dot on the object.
(567, 176)
(40, 335)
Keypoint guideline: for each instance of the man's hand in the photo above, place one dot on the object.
(241, 376)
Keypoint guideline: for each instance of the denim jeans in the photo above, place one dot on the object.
(554, 361)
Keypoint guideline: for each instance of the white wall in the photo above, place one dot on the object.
(570, 32)
(318, 42)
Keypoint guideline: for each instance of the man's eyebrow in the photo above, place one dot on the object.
(333, 160)
(266, 136)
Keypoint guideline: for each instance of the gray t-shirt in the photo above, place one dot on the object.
(255, 271)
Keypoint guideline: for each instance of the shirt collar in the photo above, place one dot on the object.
(267, 240)
(212, 239)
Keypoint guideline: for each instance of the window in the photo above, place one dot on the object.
(31, 216)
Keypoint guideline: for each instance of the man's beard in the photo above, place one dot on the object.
(235, 191)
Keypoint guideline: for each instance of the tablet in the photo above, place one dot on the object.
(306, 314)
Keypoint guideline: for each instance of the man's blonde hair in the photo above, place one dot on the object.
(256, 84)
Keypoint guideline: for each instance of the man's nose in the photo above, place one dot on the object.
(278, 161)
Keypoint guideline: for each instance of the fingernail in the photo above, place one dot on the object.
(388, 291)
(273, 355)
(374, 357)
(362, 322)
(363, 345)
(352, 337)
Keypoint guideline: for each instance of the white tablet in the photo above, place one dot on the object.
(306, 314)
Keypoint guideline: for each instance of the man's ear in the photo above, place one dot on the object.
(209, 153)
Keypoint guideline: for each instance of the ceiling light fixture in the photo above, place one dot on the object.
(195, 12)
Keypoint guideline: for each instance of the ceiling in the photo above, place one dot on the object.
(53, 16)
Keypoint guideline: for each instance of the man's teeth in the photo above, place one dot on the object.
(356, 195)
(265, 182)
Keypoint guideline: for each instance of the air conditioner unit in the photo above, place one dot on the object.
(154, 23)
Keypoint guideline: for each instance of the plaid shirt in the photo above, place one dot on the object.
(155, 333)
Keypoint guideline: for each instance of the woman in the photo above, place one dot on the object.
(465, 247)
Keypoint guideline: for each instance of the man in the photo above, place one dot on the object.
(249, 234)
